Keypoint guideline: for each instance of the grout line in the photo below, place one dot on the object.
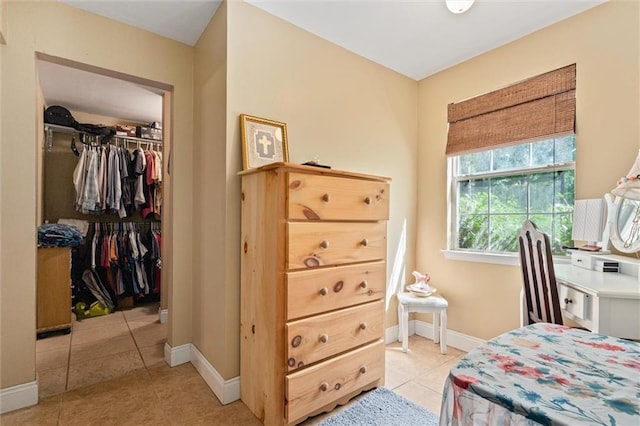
(135, 342)
(66, 382)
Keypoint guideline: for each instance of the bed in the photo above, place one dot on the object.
(545, 374)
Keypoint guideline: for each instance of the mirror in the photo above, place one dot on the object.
(624, 224)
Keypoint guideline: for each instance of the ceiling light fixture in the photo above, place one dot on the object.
(458, 6)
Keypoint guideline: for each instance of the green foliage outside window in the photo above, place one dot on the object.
(500, 188)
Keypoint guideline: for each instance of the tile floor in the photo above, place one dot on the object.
(111, 371)
(100, 349)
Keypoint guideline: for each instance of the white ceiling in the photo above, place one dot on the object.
(84, 91)
(416, 38)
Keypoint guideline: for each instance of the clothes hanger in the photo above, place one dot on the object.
(73, 147)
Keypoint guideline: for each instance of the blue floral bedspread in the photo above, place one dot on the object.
(545, 374)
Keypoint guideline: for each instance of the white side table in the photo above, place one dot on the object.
(435, 305)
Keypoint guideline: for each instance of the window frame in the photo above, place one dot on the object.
(486, 256)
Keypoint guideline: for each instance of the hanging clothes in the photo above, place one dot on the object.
(127, 260)
(111, 179)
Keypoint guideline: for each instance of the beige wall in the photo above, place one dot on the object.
(215, 331)
(604, 42)
(70, 33)
(248, 61)
(351, 113)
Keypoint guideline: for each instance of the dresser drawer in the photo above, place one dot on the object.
(314, 291)
(314, 387)
(312, 244)
(312, 339)
(574, 302)
(317, 197)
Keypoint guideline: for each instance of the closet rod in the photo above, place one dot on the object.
(70, 130)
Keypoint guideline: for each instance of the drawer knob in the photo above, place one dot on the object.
(326, 198)
(363, 284)
(364, 242)
(324, 386)
(324, 338)
(363, 369)
(338, 286)
(324, 291)
(363, 326)
(567, 300)
(324, 244)
(367, 200)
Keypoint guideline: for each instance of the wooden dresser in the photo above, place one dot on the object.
(313, 285)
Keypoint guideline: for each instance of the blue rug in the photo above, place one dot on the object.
(382, 407)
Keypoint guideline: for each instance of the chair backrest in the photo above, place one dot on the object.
(538, 276)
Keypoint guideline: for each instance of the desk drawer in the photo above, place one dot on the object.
(574, 302)
(583, 260)
(312, 339)
(314, 387)
(320, 290)
(313, 244)
(317, 197)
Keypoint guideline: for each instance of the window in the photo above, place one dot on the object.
(511, 158)
(496, 190)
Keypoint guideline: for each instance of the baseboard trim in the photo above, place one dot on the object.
(227, 391)
(178, 355)
(163, 315)
(424, 329)
(391, 334)
(18, 396)
(457, 340)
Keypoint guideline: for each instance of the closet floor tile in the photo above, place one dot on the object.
(101, 348)
(104, 368)
(94, 334)
(101, 321)
(46, 360)
(143, 311)
(52, 381)
(153, 356)
(150, 334)
(55, 341)
(140, 322)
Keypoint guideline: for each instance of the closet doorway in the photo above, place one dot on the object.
(105, 179)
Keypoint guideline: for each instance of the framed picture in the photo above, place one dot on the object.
(263, 141)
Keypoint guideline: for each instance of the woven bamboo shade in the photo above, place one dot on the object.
(540, 107)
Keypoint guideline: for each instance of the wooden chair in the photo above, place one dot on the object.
(538, 276)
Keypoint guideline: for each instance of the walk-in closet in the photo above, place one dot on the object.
(100, 304)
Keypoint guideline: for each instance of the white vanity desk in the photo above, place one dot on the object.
(603, 302)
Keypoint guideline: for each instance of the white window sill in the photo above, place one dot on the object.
(494, 258)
